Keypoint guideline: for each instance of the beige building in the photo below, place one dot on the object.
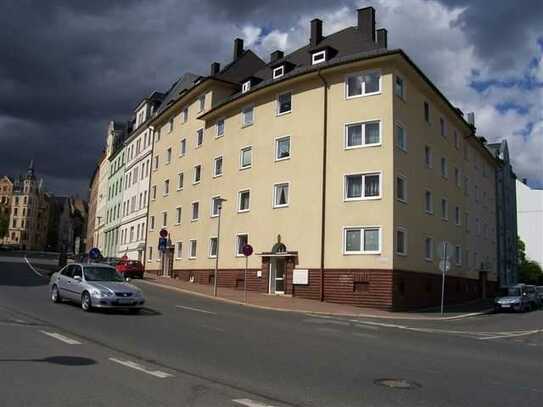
(341, 164)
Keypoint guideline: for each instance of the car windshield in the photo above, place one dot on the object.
(102, 274)
(513, 292)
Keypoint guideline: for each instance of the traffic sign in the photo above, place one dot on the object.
(94, 253)
(444, 265)
(162, 243)
(125, 257)
(163, 233)
(247, 250)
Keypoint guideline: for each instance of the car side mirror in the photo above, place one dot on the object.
(77, 278)
(127, 279)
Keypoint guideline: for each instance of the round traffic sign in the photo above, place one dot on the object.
(94, 253)
(163, 233)
(125, 257)
(247, 250)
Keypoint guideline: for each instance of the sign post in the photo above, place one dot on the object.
(162, 243)
(247, 251)
(444, 266)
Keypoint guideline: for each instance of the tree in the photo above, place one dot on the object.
(4, 222)
(529, 271)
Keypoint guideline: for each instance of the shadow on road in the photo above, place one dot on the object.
(58, 360)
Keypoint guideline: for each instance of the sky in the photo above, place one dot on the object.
(68, 67)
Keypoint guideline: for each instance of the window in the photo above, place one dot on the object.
(428, 206)
(246, 87)
(213, 247)
(428, 248)
(199, 137)
(284, 103)
(278, 72)
(164, 219)
(363, 84)
(150, 253)
(362, 240)
(442, 130)
(401, 137)
(201, 103)
(318, 57)
(457, 255)
(444, 168)
(362, 186)
(362, 134)
(185, 114)
(193, 247)
(245, 157)
(183, 147)
(170, 125)
(426, 112)
(180, 181)
(197, 174)
(427, 157)
(168, 155)
(282, 148)
(153, 189)
(280, 195)
(217, 167)
(215, 206)
(177, 215)
(247, 116)
(456, 140)
(220, 128)
(244, 200)
(401, 188)
(195, 210)
(401, 241)
(399, 87)
(241, 241)
(444, 209)
(166, 187)
(457, 177)
(457, 215)
(178, 250)
(156, 162)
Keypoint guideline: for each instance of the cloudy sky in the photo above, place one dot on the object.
(67, 67)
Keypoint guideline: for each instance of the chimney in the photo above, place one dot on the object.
(238, 48)
(276, 55)
(471, 118)
(316, 32)
(382, 38)
(525, 181)
(366, 23)
(215, 68)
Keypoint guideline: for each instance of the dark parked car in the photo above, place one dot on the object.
(539, 290)
(130, 268)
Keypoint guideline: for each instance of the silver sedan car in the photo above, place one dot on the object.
(95, 285)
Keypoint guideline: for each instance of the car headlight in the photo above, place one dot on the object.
(101, 294)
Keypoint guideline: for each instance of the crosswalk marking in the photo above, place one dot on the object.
(141, 368)
(61, 338)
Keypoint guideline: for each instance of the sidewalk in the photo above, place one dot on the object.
(293, 304)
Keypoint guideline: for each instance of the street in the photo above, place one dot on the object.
(185, 350)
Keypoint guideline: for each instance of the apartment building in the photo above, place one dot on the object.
(92, 202)
(137, 171)
(114, 199)
(530, 220)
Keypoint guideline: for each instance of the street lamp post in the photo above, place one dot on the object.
(215, 274)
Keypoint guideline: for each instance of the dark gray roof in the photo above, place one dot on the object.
(240, 69)
(184, 83)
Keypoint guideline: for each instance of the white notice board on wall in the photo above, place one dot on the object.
(300, 277)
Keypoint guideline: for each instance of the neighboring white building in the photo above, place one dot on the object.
(530, 220)
(138, 148)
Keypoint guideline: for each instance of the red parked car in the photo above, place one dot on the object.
(130, 268)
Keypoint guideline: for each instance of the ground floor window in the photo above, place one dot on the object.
(362, 240)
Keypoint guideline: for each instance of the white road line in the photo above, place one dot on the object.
(62, 338)
(513, 335)
(203, 311)
(137, 366)
(251, 403)
(32, 268)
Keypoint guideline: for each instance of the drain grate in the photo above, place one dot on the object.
(400, 384)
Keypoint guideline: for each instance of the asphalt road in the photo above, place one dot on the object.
(185, 350)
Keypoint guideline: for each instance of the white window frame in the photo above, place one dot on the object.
(404, 178)
(278, 105)
(403, 96)
(364, 93)
(166, 191)
(182, 147)
(429, 211)
(364, 174)
(396, 125)
(246, 87)
(185, 114)
(241, 150)
(168, 156)
(212, 207)
(404, 231)
(274, 195)
(431, 248)
(219, 135)
(178, 215)
(318, 57)
(276, 149)
(153, 195)
(209, 253)
(429, 164)
(192, 218)
(215, 160)
(362, 229)
(446, 217)
(194, 182)
(363, 124)
(193, 243)
(458, 259)
(278, 71)
(178, 250)
(236, 244)
(444, 170)
(239, 200)
(164, 218)
(243, 110)
(198, 144)
(201, 103)
(180, 176)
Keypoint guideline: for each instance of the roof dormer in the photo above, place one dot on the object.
(248, 83)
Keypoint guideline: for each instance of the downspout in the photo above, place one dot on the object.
(323, 203)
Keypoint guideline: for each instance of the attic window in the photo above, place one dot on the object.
(318, 57)
(278, 72)
(246, 87)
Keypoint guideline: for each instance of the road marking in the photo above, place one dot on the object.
(203, 311)
(32, 268)
(62, 338)
(512, 335)
(137, 366)
(251, 403)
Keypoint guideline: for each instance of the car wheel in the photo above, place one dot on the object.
(86, 302)
(55, 296)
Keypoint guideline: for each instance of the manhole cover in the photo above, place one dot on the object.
(400, 384)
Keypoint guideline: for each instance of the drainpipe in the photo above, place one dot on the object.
(323, 204)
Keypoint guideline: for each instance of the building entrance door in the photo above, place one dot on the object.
(167, 262)
(278, 268)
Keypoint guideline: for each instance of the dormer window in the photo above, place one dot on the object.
(318, 57)
(278, 72)
(246, 87)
